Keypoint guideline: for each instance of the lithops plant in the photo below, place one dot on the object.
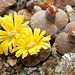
(66, 40)
(33, 47)
(52, 20)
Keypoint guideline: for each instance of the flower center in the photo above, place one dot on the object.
(53, 7)
(30, 44)
(12, 33)
(73, 33)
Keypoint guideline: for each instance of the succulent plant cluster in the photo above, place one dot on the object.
(20, 39)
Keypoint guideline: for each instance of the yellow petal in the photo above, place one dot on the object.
(23, 37)
(5, 22)
(18, 53)
(27, 33)
(37, 50)
(36, 34)
(15, 15)
(4, 25)
(20, 42)
(3, 37)
(9, 23)
(24, 24)
(10, 47)
(32, 51)
(37, 47)
(10, 15)
(15, 49)
(2, 40)
(22, 30)
(13, 43)
(3, 32)
(47, 38)
(44, 47)
(18, 21)
(25, 53)
(42, 33)
(15, 19)
(1, 51)
(45, 44)
(5, 48)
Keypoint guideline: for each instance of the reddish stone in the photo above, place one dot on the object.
(5, 5)
(10, 11)
(30, 4)
(63, 3)
(16, 8)
(71, 72)
(44, 5)
(26, 13)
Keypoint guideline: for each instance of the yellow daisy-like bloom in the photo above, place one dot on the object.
(12, 30)
(31, 43)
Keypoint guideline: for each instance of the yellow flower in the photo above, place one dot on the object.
(12, 30)
(31, 43)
